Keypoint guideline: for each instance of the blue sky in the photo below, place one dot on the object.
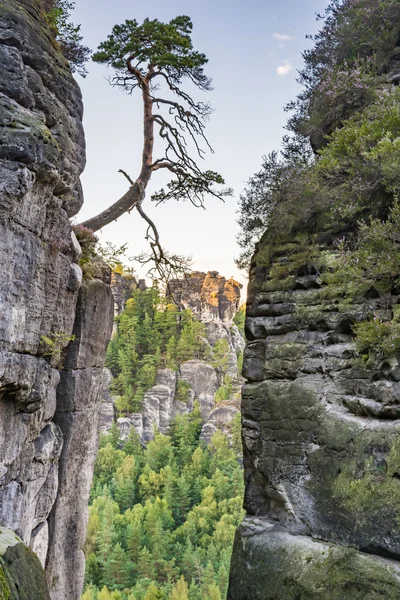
(254, 49)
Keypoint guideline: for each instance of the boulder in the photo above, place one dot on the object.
(21, 574)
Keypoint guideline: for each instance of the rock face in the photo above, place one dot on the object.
(21, 574)
(161, 404)
(49, 399)
(321, 446)
(122, 287)
(214, 300)
(209, 295)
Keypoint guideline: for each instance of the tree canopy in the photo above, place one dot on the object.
(57, 14)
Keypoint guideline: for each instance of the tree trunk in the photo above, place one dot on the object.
(133, 195)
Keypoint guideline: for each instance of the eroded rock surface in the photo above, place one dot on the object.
(48, 431)
(321, 445)
(210, 296)
(214, 300)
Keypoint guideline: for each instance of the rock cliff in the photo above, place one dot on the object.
(49, 396)
(210, 296)
(215, 301)
(320, 438)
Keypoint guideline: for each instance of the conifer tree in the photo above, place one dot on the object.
(180, 591)
(144, 58)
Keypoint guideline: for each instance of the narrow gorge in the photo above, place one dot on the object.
(129, 410)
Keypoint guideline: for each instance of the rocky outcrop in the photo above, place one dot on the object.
(210, 296)
(161, 403)
(79, 399)
(122, 287)
(158, 404)
(49, 399)
(268, 562)
(219, 419)
(21, 574)
(107, 412)
(321, 441)
(214, 300)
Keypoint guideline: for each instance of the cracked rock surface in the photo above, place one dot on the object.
(49, 405)
(321, 446)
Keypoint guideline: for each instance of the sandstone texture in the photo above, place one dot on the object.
(50, 389)
(210, 296)
(21, 574)
(122, 287)
(214, 300)
(321, 442)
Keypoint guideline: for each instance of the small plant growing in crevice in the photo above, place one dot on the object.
(88, 241)
(68, 36)
(54, 344)
(113, 256)
(182, 391)
(377, 340)
(224, 392)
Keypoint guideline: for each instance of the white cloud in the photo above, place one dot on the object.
(284, 68)
(282, 37)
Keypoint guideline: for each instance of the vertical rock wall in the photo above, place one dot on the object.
(44, 454)
(321, 441)
(210, 296)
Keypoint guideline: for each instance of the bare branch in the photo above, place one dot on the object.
(126, 175)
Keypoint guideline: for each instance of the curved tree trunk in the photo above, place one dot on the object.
(134, 194)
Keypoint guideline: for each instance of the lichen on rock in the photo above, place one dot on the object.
(21, 574)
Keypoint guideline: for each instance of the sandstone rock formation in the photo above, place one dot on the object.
(209, 295)
(122, 287)
(215, 301)
(321, 443)
(49, 399)
(21, 574)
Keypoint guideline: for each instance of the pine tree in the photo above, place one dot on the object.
(223, 579)
(180, 591)
(220, 356)
(132, 445)
(89, 593)
(104, 594)
(114, 435)
(125, 483)
(135, 535)
(171, 354)
(153, 593)
(117, 571)
(212, 593)
(106, 533)
(145, 565)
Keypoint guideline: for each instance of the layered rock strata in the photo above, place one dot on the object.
(210, 296)
(321, 441)
(47, 428)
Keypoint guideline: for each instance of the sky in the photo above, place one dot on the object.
(254, 49)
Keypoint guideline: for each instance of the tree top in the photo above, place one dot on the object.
(162, 48)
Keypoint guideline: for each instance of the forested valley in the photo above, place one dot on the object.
(162, 517)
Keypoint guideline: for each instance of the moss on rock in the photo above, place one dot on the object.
(21, 574)
(275, 565)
